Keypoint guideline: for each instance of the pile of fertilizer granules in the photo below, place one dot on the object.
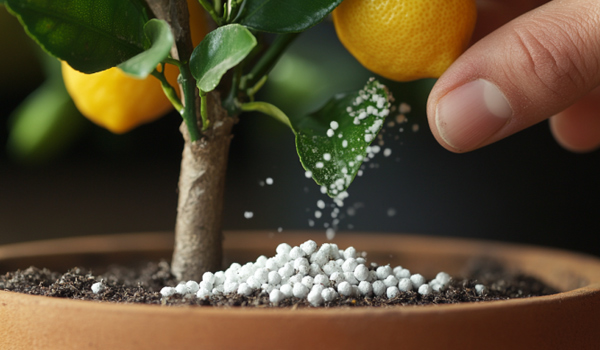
(320, 275)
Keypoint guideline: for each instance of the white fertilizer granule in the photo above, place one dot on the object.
(98, 287)
(481, 289)
(318, 274)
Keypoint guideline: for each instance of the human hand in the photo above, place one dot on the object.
(543, 64)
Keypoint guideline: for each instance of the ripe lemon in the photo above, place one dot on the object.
(118, 102)
(405, 39)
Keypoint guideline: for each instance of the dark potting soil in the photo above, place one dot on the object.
(142, 285)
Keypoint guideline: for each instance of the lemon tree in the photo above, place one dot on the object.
(405, 39)
(114, 49)
(111, 48)
(127, 61)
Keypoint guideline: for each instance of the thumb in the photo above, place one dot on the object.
(528, 70)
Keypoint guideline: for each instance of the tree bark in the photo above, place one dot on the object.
(175, 12)
(198, 229)
(198, 236)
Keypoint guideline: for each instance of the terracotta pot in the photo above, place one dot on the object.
(568, 320)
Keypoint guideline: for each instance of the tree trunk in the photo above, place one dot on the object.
(198, 232)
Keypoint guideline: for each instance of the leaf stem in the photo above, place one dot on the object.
(211, 11)
(189, 94)
(173, 61)
(230, 102)
(254, 89)
(218, 7)
(269, 110)
(204, 111)
(168, 89)
(268, 60)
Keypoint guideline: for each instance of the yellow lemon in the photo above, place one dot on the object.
(114, 100)
(405, 39)
(118, 102)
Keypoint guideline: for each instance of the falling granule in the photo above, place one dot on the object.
(308, 174)
(404, 108)
(415, 127)
(279, 229)
(261, 183)
(321, 204)
(335, 212)
(401, 118)
(248, 214)
(323, 189)
(374, 149)
(391, 212)
(311, 223)
(318, 214)
(269, 181)
(330, 234)
(387, 152)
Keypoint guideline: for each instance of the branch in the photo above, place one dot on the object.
(175, 12)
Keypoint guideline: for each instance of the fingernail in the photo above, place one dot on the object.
(470, 114)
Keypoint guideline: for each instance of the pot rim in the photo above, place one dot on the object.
(153, 241)
(565, 320)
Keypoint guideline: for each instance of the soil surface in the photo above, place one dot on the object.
(142, 285)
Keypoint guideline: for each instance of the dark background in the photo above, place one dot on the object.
(523, 189)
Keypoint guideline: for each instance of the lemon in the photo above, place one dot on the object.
(114, 100)
(118, 102)
(405, 40)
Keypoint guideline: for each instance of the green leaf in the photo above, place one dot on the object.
(44, 125)
(159, 34)
(221, 50)
(284, 16)
(332, 142)
(91, 35)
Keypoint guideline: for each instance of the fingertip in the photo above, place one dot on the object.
(458, 74)
(577, 129)
(432, 101)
